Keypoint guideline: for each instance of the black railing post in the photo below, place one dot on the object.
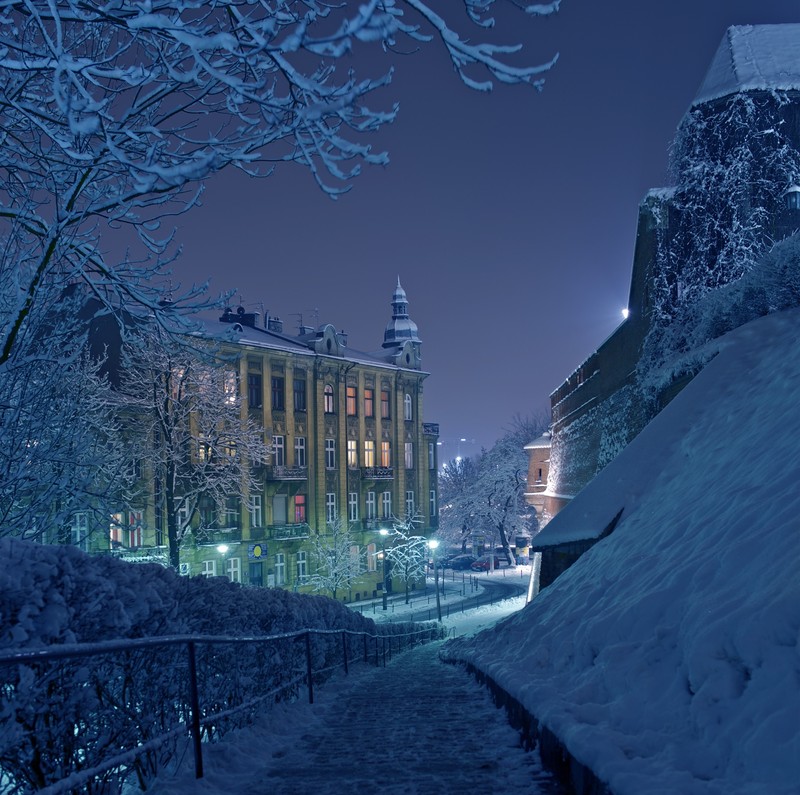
(376, 651)
(344, 651)
(366, 653)
(308, 669)
(194, 700)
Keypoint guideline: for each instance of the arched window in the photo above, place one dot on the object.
(407, 413)
(328, 399)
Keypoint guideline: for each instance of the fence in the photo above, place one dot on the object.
(68, 725)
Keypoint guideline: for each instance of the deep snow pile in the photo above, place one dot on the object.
(666, 659)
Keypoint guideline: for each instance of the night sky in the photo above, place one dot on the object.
(510, 217)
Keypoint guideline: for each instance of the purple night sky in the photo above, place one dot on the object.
(509, 217)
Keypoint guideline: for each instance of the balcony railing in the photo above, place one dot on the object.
(218, 535)
(378, 473)
(287, 473)
(279, 532)
(430, 428)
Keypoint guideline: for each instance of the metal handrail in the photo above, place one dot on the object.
(195, 723)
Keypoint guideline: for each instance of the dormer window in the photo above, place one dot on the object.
(792, 197)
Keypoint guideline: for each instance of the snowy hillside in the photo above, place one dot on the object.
(666, 659)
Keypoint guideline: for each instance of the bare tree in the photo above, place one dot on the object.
(113, 115)
(408, 554)
(185, 423)
(456, 480)
(339, 559)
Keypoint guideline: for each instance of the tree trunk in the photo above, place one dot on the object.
(510, 559)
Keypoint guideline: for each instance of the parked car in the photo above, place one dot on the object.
(458, 562)
(483, 563)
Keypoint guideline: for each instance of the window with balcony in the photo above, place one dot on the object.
(279, 451)
(408, 455)
(369, 453)
(278, 393)
(330, 454)
(386, 505)
(327, 399)
(300, 451)
(408, 413)
(386, 413)
(371, 505)
(279, 509)
(352, 401)
(299, 508)
(254, 392)
(330, 507)
(369, 402)
(352, 506)
(352, 454)
(386, 454)
(299, 394)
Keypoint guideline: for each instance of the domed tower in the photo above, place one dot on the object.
(401, 338)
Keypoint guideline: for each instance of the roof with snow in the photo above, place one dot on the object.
(753, 58)
(545, 440)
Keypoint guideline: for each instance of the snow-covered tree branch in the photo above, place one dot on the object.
(338, 558)
(408, 554)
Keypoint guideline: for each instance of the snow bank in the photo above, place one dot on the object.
(666, 659)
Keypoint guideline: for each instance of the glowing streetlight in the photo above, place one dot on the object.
(625, 313)
(433, 544)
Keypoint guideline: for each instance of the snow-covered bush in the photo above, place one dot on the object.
(61, 717)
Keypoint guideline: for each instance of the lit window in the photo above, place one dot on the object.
(409, 455)
(230, 386)
(386, 505)
(407, 412)
(330, 507)
(330, 454)
(386, 454)
(328, 399)
(385, 412)
(352, 454)
(369, 402)
(115, 530)
(300, 451)
(352, 401)
(369, 453)
(135, 531)
(352, 506)
(300, 508)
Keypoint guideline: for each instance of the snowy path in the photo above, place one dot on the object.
(416, 726)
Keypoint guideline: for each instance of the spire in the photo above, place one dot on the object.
(400, 328)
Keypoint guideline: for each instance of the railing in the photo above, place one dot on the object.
(430, 428)
(284, 531)
(125, 713)
(287, 473)
(378, 473)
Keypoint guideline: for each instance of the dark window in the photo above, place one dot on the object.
(254, 390)
(158, 499)
(256, 573)
(328, 399)
(299, 395)
(278, 394)
(385, 412)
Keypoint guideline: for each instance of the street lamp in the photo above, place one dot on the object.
(223, 550)
(434, 544)
(383, 533)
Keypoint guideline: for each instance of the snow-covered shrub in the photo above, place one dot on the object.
(61, 717)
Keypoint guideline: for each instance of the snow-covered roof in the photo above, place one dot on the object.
(545, 440)
(753, 58)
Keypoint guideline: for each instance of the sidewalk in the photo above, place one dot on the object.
(416, 726)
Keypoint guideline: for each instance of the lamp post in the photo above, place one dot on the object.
(434, 544)
(223, 551)
(383, 533)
